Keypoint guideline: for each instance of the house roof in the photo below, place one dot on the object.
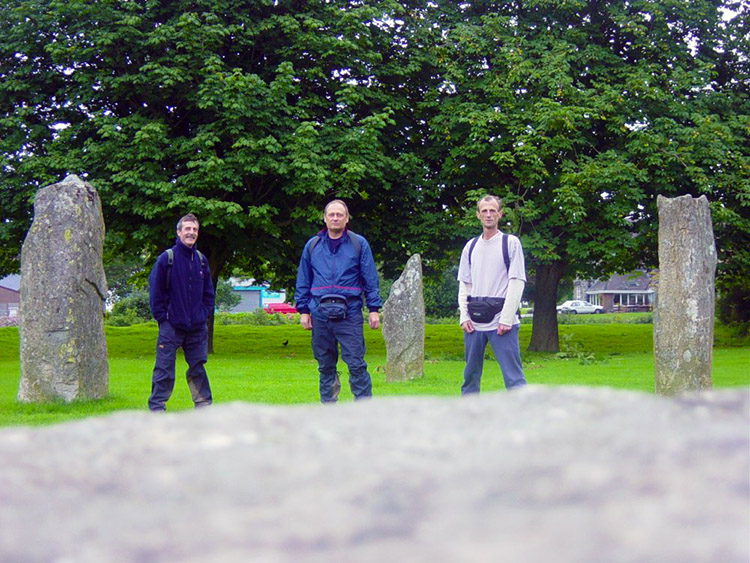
(635, 282)
(12, 282)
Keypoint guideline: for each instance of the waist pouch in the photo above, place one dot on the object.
(333, 307)
(484, 309)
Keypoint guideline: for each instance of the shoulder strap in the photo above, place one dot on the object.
(203, 258)
(471, 248)
(355, 242)
(506, 253)
(170, 261)
(311, 244)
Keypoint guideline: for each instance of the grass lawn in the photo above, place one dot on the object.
(254, 364)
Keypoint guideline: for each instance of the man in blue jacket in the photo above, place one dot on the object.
(336, 272)
(182, 297)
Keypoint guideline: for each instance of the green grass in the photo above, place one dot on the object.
(253, 364)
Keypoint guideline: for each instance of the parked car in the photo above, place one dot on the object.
(579, 308)
(282, 308)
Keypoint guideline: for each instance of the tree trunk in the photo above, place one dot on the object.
(544, 336)
(216, 261)
(210, 327)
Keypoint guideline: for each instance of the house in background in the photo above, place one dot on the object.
(254, 296)
(621, 293)
(10, 296)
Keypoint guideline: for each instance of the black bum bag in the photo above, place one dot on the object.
(333, 307)
(484, 309)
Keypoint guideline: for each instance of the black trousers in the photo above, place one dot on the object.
(194, 345)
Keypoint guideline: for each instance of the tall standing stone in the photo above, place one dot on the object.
(403, 324)
(63, 288)
(684, 312)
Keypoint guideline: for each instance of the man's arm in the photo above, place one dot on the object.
(464, 290)
(302, 292)
(512, 301)
(157, 290)
(369, 277)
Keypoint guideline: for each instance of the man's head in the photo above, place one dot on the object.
(489, 211)
(187, 230)
(336, 217)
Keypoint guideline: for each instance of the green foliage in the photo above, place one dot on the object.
(606, 318)
(252, 114)
(226, 299)
(130, 310)
(733, 303)
(248, 114)
(570, 349)
(441, 294)
(578, 114)
(256, 318)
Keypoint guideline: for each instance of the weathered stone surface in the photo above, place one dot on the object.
(403, 324)
(684, 311)
(63, 287)
(538, 474)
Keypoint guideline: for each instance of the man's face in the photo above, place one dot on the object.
(489, 214)
(336, 218)
(188, 233)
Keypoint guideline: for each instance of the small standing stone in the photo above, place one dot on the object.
(684, 312)
(403, 324)
(63, 288)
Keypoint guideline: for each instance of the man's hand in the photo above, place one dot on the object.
(467, 327)
(373, 319)
(306, 321)
(502, 329)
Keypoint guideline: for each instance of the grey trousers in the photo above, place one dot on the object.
(507, 354)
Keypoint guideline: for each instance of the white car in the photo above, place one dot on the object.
(579, 308)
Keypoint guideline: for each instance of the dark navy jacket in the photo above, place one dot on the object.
(345, 272)
(190, 298)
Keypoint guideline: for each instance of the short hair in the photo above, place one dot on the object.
(339, 201)
(189, 218)
(491, 198)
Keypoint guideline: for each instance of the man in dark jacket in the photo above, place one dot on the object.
(335, 272)
(181, 297)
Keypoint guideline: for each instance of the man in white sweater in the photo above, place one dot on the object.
(491, 277)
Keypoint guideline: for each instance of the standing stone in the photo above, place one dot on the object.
(63, 287)
(684, 312)
(403, 324)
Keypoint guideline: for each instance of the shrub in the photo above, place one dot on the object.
(256, 318)
(130, 310)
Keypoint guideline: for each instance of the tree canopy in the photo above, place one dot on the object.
(581, 112)
(252, 114)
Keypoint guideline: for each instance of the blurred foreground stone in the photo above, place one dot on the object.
(539, 474)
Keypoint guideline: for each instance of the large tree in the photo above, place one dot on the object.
(579, 112)
(249, 114)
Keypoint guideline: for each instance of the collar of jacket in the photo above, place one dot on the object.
(187, 251)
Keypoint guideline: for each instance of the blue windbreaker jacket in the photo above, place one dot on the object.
(190, 299)
(344, 272)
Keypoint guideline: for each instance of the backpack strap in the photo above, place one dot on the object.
(203, 258)
(170, 261)
(506, 252)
